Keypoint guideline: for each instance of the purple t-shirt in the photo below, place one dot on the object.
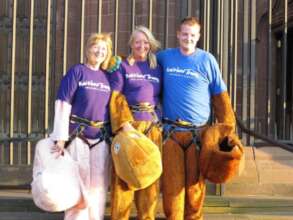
(138, 83)
(88, 92)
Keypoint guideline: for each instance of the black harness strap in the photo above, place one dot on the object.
(147, 107)
(82, 124)
(187, 127)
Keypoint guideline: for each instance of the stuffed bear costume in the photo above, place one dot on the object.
(191, 85)
(134, 86)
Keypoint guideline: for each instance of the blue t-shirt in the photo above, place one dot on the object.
(88, 91)
(188, 84)
(138, 83)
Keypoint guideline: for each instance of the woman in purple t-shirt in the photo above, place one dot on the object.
(134, 105)
(81, 109)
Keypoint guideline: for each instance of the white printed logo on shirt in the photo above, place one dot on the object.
(189, 73)
(137, 76)
(95, 86)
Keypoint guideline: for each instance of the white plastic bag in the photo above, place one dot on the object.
(56, 183)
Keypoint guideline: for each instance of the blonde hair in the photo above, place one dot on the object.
(154, 44)
(94, 38)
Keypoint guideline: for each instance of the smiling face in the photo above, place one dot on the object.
(140, 46)
(97, 53)
(188, 36)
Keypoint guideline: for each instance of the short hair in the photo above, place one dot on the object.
(154, 44)
(191, 21)
(94, 38)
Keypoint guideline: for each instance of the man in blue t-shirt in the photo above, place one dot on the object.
(192, 83)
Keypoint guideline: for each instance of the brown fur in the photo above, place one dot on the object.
(183, 183)
(137, 160)
(219, 161)
(119, 111)
(145, 199)
(223, 109)
(183, 186)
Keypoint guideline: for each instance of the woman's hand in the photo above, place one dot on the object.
(58, 148)
(82, 204)
(127, 127)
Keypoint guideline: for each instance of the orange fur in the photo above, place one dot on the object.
(221, 153)
(145, 199)
(223, 109)
(183, 186)
(119, 111)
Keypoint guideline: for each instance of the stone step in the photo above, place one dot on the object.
(59, 216)
(237, 189)
(30, 216)
(15, 204)
(268, 172)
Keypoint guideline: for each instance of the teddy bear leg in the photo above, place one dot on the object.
(146, 199)
(195, 186)
(146, 202)
(173, 181)
(121, 199)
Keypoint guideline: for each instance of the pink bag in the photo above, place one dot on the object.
(56, 181)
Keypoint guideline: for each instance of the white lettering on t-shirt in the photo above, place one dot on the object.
(93, 85)
(138, 76)
(177, 71)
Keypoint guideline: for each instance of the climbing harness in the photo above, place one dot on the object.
(185, 126)
(104, 127)
(147, 107)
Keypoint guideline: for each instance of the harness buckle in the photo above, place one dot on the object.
(147, 107)
(86, 122)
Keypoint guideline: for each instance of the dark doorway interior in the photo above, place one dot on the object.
(284, 86)
(289, 83)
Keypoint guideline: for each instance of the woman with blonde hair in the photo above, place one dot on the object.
(81, 123)
(135, 105)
